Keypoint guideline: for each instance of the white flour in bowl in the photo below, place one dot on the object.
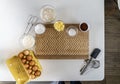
(47, 13)
(40, 29)
(28, 41)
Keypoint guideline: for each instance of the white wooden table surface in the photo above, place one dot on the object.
(13, 15)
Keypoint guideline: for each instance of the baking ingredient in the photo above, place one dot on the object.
(29, 58)
(30, 67)
(26, 66)
(37, 73)
(24, 56)
(33, 72)
(29, 71)
(27, 62)
(40, 29)
(26, 52)
(83, 26)
(59, 26)
(20, 55)
(32, 76)
(47, 13)
(32, 63)
(72, 31)
(23, 61)
(28, 41)
(35, 68)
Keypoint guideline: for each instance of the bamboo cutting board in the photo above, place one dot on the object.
(58, 45)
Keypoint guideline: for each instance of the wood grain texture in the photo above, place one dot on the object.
(112, 44)
(94, 82)
(112, 79)
(111, 7)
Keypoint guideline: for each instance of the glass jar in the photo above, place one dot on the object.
(40, 29)
(47, 13)
(72, 31)
(27, 41)
(59, 25)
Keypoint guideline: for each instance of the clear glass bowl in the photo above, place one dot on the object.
(59, 25)
(47, 13)
(40, 29)
(27, 41)
(72, 31)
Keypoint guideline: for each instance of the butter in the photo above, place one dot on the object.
(59, 26)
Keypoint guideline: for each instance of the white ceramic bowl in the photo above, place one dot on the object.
(40, 29)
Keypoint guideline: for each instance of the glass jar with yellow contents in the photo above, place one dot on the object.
(59, 25)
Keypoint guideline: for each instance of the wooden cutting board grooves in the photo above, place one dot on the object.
(58, 45)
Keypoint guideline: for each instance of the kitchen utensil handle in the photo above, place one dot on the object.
(95, 52)
(28, 24)
(85, 66)
(31, 21)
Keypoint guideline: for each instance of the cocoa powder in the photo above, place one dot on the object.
(84, 26)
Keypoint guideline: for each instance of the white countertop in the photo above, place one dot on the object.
(119, 4)
(13, 15)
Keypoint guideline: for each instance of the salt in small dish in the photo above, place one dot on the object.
(40, 29)
(72, 31)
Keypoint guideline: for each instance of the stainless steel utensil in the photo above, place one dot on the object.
(31, 21)
(95, 64)
(93, 55)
